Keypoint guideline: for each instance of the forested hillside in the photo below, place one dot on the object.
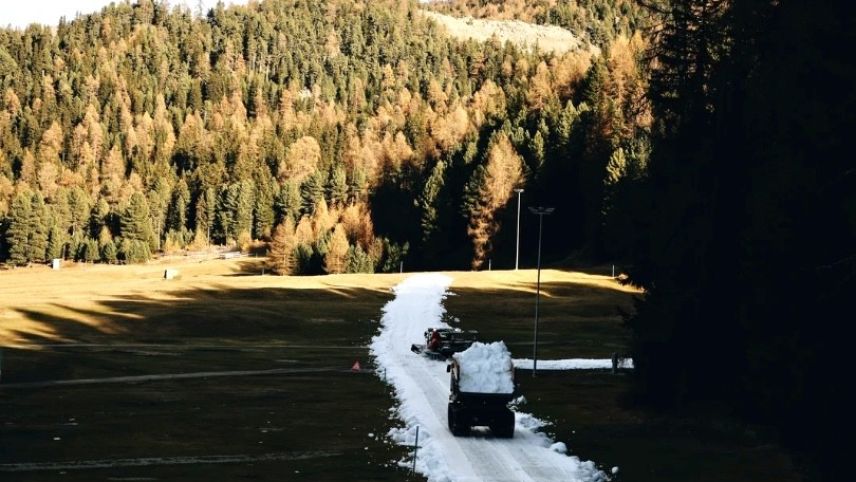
(353, 134)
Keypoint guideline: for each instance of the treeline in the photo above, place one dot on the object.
(326, 127)
(747, 255)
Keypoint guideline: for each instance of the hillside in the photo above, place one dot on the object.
(597, 22)
(355, 135)
(546, 38)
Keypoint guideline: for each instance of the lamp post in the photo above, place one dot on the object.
(517, 253)
(540, 212)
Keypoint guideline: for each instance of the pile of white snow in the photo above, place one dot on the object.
(486, 368)
(573, 364)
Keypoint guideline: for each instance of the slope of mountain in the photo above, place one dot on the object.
(546, 38)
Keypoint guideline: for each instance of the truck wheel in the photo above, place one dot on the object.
(503, 427)
(457, 422)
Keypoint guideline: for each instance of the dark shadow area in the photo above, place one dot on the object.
(332, 415)
(590, 413)
(591, 410)
(575, 320)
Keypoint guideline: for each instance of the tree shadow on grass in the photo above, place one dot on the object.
(575, 320)
(329, 325)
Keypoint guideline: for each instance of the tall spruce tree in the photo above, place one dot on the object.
(136, 225)
(18, 233)
(37, 229)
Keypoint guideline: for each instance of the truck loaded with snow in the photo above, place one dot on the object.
(482, 386)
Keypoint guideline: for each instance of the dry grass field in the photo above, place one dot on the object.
(221, 374)
(113, 373)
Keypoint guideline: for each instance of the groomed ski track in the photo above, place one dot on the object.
(422, 389)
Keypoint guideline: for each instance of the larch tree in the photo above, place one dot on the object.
(491, 188)
(282, 256)
(300, 160)
(336, 258)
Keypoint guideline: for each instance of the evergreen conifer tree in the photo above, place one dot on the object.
(136, 226)
(18, 233)
(288, 202)
(56, 242)
(108, 252)
(37, 235)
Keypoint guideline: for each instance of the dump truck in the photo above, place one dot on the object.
(481, 397)
(442, 343)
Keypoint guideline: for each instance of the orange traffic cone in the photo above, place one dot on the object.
(356, 366)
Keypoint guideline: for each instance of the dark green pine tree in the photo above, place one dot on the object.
(108, 252)
(312, 192)
(288, 202)
(56, 242)
(79, 207)
(37, 229)
(427, 200)
(263, 209)
(205, 213)
(100, 216)
(237, 206)
(337, 186)
(159, 198)
(136, 223)
(17, 235)
(177, 213)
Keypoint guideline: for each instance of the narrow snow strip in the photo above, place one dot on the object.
(573, 364)
(422, 390)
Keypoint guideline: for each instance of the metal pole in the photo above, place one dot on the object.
(415, 451)
(537, 297)
(517, 255)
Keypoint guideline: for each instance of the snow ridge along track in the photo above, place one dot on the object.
(422, 389)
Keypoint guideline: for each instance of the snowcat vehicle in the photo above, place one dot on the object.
(442, 343)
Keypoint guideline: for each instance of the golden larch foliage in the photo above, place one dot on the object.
(301, 159)
(335, 261)
(282, 258)
(357, 221)
(503, 172)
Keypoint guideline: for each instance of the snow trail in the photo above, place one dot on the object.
(422, 389)
(573, 364)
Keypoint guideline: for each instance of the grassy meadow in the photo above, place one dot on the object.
(294, 410)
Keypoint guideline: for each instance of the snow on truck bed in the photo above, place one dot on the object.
(486, 368)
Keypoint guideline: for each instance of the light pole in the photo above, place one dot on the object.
(517, 254)
(540, 212)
